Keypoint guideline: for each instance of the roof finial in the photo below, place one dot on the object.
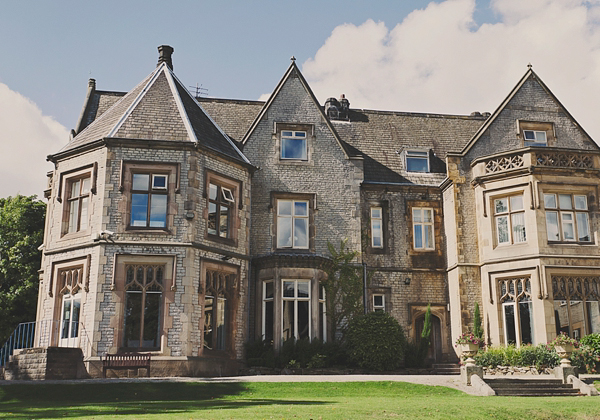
(529, 65)
(293, 58)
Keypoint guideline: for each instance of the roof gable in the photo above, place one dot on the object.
(291, 73)
(529, 83)
(159, 108)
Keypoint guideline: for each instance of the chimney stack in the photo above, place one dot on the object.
(164, 55)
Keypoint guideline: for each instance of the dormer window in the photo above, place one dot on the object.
(535, 138)
(417, 161)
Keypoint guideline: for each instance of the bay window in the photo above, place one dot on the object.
(567, 217)
(296, 309)
(509, 220)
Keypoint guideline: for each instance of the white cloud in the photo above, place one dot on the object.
(26, 138)
(439, 60)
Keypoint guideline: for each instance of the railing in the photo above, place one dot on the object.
(45, 333)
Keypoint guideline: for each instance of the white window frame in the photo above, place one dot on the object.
(294, 136)
(419, 155)
(380, 307)
(323, 310)
(297, 299)
(78, 205)
(293, 218)
(374, 220)
(166, 178)
(423, 225)
(573, 212)
(509, 215)
(265, 299)
(537, 138)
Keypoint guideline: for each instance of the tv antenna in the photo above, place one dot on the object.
(199, 91)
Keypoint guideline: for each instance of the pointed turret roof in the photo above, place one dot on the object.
(159, 108)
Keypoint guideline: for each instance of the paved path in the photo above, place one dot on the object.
(450, 381)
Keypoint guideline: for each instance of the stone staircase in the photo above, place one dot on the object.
(542, 387)
(46, 363)
(446, 369)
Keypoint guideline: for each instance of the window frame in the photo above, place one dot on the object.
(536, 127)
(573, 212)
(265, 301)
(509, 214)
(70, 200)
(292, 137)
(295, 299)
(515, 298)
(535, 141)
(380, 307)
(234, 188)
(423, 224)
(293, 217)
(374, 219)
(417, 154)
(151, 192)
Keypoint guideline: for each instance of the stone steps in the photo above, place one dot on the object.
(446, 369)
(546, 387)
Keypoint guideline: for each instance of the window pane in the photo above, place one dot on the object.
(552, 226)
(550, 201)
(376, 212)
(289, 289)
(75, 188)
(529, 135)
(151, 318)
(85, 188)
(284, 232)
(293, 148)
(83, 222)
(502, 229)
(583, 227)
(417, 216)
(376, 233)
(284, 207)
(140, 182)
(518, 227)
(593, 310)
(526, 324)
(428, 215)
(133, 321)
(208, 322)
(66, 318)
(564, 201)
(158, 211)
(516, 202)
(580, 202)
(378, 300)
(414, 164)
(303, 289)
(212, 218)
(159, 181)
(418, 231)
(567, 226)
(561, 317)
(269, 320)
(509, 324)
(73, 214)
(212, 192)
(322, 322)
(428, 236)
(139, 209)
(300, 208)
(269, 291)
(227, 194)
(221, 323)
(75, 318)
(576, 320)
(287, 320)
(224, 222)
(501, 205)
(301, 233)
(300, 134)
(303, 319)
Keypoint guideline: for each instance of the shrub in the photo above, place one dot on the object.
(260, 353)
(545, 357)
(540, 356)
(492, 357)
(593, 341)
(586, 359)
(310, 354)
(375, 341)
(477, 330)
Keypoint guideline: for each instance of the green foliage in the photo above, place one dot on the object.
(260, 353)
(296, 354)
(586, 359)
(343, 289)
(592, 340)
(375, 341)
(477, 329)
(21, 233)
(540, 356)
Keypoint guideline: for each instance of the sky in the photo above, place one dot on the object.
(445, 56)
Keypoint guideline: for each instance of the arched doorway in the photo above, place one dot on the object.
(435, 349)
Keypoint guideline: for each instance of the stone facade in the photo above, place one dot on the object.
(229, 241)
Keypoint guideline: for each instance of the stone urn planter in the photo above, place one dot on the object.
(564, 352)
(469, 350)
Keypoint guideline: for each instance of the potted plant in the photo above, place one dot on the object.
(469, 345)
(564, 346)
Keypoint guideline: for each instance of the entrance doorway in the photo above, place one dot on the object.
(435, 349)
(69, 322)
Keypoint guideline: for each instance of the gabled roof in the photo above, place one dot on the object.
(293, 71)
(159, 108)
(529, 74)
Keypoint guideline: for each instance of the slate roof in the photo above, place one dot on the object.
(233, 116)
(159, 108)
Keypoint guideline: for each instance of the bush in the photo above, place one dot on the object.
(540, 356)
(260, 353)
(586, 359)
(375, 341)
(593, 341)
(492, 357)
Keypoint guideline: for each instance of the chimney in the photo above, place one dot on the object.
(164, 55)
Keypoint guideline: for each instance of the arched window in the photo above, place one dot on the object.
(517, 310)
(217, 309)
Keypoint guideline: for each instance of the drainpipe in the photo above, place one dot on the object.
(364, 264)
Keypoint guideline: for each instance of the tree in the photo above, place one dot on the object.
(343, 288)
(477, 330)
(21, 234)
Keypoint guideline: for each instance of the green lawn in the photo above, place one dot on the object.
(277, 400)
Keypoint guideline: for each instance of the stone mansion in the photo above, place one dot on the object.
(187, 226)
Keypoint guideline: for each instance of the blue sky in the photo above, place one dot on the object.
(451, 56)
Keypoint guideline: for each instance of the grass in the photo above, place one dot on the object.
(277, 400)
